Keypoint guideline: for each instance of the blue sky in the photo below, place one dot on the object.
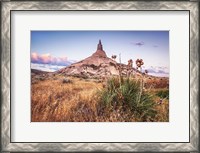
(64, 46)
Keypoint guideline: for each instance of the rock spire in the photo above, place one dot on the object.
(100, 52)
(100, 46)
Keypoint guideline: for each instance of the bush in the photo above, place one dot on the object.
(65, 80)
(163, 94)
(127, 96)
(40, 78)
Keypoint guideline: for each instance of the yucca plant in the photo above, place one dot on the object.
(108, 94)
(127, 96)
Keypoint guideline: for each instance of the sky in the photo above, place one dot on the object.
(52, 50)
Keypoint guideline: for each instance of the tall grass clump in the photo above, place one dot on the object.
(127, 95)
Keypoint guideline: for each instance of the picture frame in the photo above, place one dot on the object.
(7, 7)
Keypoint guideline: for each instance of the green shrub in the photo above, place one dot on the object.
(163, 93)
(128, 96)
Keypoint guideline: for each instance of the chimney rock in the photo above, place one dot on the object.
(100, 52)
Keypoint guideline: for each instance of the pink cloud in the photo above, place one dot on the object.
(48, 59)
(34, 56)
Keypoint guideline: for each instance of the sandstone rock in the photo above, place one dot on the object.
(97, 65)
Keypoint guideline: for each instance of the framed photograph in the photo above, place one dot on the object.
(100, 76)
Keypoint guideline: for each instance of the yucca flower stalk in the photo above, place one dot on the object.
(120, 70)
(139, 63)
(114, 57)
(129, 67)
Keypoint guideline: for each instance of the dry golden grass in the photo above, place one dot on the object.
(55, 101)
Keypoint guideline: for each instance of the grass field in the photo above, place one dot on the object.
(80, 100)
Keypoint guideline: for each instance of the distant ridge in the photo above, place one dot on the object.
(34, 71)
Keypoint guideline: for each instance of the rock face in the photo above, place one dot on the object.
(95, 66)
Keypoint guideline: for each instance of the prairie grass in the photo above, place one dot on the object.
(53, 100)
(81, 100)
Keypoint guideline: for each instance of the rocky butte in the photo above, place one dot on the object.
(96, 65)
